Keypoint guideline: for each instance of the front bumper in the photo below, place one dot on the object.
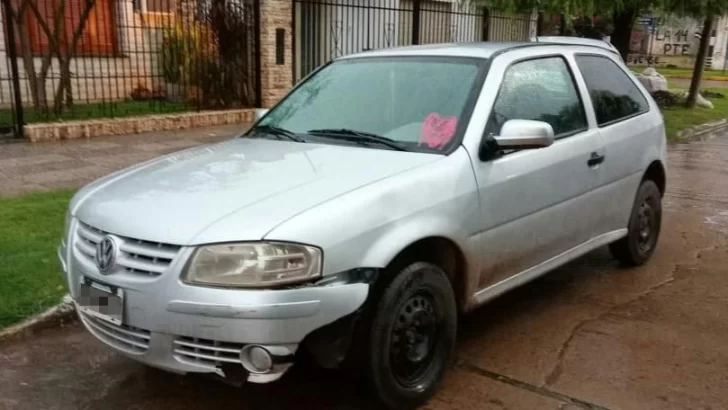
(182, 328)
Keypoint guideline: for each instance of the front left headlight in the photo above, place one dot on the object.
(254, 264)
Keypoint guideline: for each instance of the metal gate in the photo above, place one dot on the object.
(326, 29)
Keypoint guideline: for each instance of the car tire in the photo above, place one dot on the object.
(643, 230)
(410, 335)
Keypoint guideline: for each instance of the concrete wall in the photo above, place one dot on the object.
(675, 42)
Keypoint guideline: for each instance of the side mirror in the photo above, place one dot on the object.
(525, 134)
(260, 112)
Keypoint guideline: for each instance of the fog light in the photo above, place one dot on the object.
(256, 359)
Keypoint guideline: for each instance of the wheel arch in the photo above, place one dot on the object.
(442, 252)
(656, 172)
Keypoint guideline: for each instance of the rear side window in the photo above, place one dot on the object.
(614, 95)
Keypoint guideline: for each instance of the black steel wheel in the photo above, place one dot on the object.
(411, 335)
(413, 338)
(643, 230)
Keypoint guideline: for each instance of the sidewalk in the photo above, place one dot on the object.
(26, 167)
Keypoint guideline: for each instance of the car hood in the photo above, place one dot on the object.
(231, 191)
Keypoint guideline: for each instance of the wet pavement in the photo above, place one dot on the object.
(28, 167)
(591, 335)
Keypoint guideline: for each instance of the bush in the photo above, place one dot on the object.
(185, 50)
(214, 58)
(665, 99)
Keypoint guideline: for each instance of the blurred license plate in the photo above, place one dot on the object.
(102, 301)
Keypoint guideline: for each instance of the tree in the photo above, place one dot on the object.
(622, 14)
(55, 29)
(700, 62)
(625, 12)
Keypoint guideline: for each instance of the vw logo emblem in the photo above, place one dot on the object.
(106, 254)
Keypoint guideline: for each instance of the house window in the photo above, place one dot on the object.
(98, 36)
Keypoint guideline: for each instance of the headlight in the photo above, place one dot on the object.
(255, 264)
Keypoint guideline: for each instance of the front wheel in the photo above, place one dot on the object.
(412, 335)
(643, 229)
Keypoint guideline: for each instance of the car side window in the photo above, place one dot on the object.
(541, 89)
(614, 95)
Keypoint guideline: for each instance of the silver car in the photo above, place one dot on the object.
(386, 193)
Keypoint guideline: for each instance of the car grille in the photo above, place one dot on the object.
(209, 352)
(127, 338)
(136, 256)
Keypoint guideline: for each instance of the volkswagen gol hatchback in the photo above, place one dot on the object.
(383, 195)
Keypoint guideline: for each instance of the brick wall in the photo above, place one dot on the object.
(276, 79)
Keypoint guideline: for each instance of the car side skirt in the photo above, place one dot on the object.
(497, 289)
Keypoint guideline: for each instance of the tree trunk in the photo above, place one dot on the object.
(700, 62)
(623, 21)
(64, 88)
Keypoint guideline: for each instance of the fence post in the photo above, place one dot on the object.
(12, 55)
(416, 22)
(539, 23)
(486, 24)
(562, 26)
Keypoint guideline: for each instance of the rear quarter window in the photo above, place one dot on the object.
(614, 95)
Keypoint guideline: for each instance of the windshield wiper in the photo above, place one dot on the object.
(278, 132)
(358, 136)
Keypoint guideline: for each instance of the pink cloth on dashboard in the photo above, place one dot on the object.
(437, 131)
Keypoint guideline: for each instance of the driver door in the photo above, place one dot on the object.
(538, 203)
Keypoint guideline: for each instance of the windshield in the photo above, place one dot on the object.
(420, 103)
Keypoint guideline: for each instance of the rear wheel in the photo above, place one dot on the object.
(411, 335)
(643, 229)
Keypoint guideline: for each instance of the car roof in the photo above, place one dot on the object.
(582, 41)
(476, 49)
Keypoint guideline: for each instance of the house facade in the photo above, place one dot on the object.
(116, 52)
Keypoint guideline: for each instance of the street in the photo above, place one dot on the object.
(590, 335)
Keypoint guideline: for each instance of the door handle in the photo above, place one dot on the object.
(595, 159)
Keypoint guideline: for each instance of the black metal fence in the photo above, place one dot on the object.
(85, 59)
(326, 29)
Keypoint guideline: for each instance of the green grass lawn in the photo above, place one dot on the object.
(81, 111)
(681, 72)
(30, 231)
(679, 118)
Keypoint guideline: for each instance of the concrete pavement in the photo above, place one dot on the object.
(591, 335)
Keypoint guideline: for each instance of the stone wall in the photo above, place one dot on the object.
(134, 125)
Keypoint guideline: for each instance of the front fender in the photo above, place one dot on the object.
(399, 236)
(368, 227)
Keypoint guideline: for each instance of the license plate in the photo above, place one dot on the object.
(102, 301)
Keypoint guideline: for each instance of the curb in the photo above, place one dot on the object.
(57, 315)
(701, 132)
